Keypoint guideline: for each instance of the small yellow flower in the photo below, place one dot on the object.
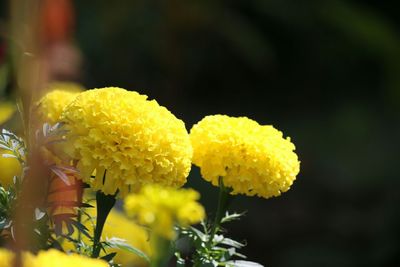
(126, 140)
(253, 159)
(51, 105)
(162, 208)
(9, 167)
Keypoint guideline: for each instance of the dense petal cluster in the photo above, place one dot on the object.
(126, 140)
(52, 104)
(253, 159)
(9, 167)
(50, 258)
(162, 208)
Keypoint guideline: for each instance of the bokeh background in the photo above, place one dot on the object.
(325, 72)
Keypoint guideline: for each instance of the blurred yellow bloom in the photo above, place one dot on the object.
(51, 105)
(253, 159)
(127, 140)
(7, 109)
(162, 208)
(119, 226)
(9, 167)
(50, 258)
(6, 258)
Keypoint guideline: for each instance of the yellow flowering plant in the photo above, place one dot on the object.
(122, 147)
(124, 150)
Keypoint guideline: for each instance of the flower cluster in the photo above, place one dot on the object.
(161, 208)
(119, 143)
(50, 258)
(126, 140)
(253, 159)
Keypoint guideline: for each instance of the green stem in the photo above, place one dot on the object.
(162, 251)
(104, 205)
(223, 203)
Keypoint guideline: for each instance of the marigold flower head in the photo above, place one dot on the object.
(127, 140)
(9, 167)
(51, 105)
(162, 208)
(253, 159)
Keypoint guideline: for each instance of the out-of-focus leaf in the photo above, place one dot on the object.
(115, 242)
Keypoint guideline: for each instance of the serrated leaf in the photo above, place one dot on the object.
(115, 242)
(199, 234)
(81, 228)
(231, 217)
(232, 243)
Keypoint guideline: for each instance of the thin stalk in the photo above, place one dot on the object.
(104, 205)
(162, 251)
(223, 203)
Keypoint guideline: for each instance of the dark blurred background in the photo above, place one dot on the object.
(325, 72)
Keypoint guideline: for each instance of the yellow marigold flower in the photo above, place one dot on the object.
(51, 105)
(50, 258)
(118, 225)
(9, 167)
(162, 208)
(127, 140)
(253, 159)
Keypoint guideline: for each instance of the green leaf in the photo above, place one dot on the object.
(115, 242)
(199, 234)
(232, 243)
(232, 217)
(81, 228)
